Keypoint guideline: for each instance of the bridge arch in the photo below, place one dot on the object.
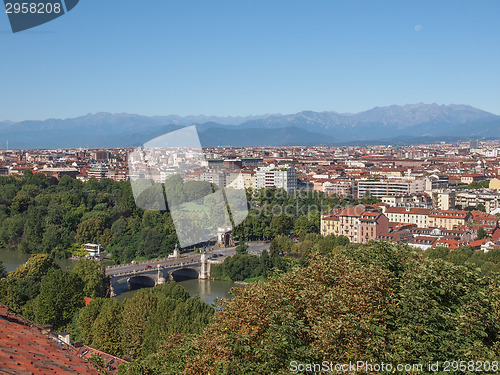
(141, 281)
(184, 274)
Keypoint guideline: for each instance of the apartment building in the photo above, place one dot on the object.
(329, 223)
(98, 172)
(372, 224)
(435, 182)
(384, 188)
(282, 177)
(423, 242)
(469, 198)
(217, 177)
(340, 187)
(356, 223)
(448, 219)
(472, 177)
(410, 201)
(59, 172)
(243, 179)
(4, 171)
(417, 216)
(444, 199)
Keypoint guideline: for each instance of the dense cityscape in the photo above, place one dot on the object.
(428, 195)
(318, 218)
(249, 187)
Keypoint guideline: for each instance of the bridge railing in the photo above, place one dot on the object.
(144, 262)
(128, 273)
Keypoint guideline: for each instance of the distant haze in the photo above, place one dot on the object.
(393, 124)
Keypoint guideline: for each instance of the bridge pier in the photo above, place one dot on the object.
(204, 267)
(159, 278)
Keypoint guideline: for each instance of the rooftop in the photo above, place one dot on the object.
(24, 349)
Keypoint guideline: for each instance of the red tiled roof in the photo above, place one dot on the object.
(424, 240)
(478, 243)
(412, 211)
(400, 226)
(370, 216)
(352, 211)
(450, 214)
(111, 361)
(451, 243)
(25, 350)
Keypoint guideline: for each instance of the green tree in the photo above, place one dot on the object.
(106, 329)
(94, 277)
(281, 244)
(89, 231)
(481, 233)
(3, 271)
(369, 199)
(136, 313)
(242, 248)
(241, 266)
(61, 295)
(86, 318)
(481, 207)
(303, 226)
(99, 361)
(23, 284)
(33, 230)
(379, 301)
(280, 224)
(36, 267)
(11, 231)
(266, 263)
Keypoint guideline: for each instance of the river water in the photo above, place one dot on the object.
(13, 259)
(208, 290)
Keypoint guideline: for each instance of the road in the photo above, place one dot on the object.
(254, 248)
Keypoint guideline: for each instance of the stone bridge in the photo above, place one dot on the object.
(154, 272)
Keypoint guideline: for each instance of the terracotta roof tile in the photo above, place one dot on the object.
(25, 350)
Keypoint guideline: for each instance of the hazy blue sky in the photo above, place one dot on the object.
(240, 57)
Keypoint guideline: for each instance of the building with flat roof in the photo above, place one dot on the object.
(282, 177)
(59, 172)
(94, 250)
(382, 188)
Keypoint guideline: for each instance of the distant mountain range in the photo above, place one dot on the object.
(411, 123)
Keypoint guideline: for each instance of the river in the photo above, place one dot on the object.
(208, 290)
(13, 259)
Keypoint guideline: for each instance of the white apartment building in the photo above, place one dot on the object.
(469, 198)
(214, 177)
(444, 199)
(243, 179)
(417, 216)
(410, 201)
(282, 177)
(435, 182)
(382, 188)
(450, 199)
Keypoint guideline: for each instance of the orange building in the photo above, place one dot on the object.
(448, 219)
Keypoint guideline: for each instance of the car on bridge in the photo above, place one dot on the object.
(148, 266)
